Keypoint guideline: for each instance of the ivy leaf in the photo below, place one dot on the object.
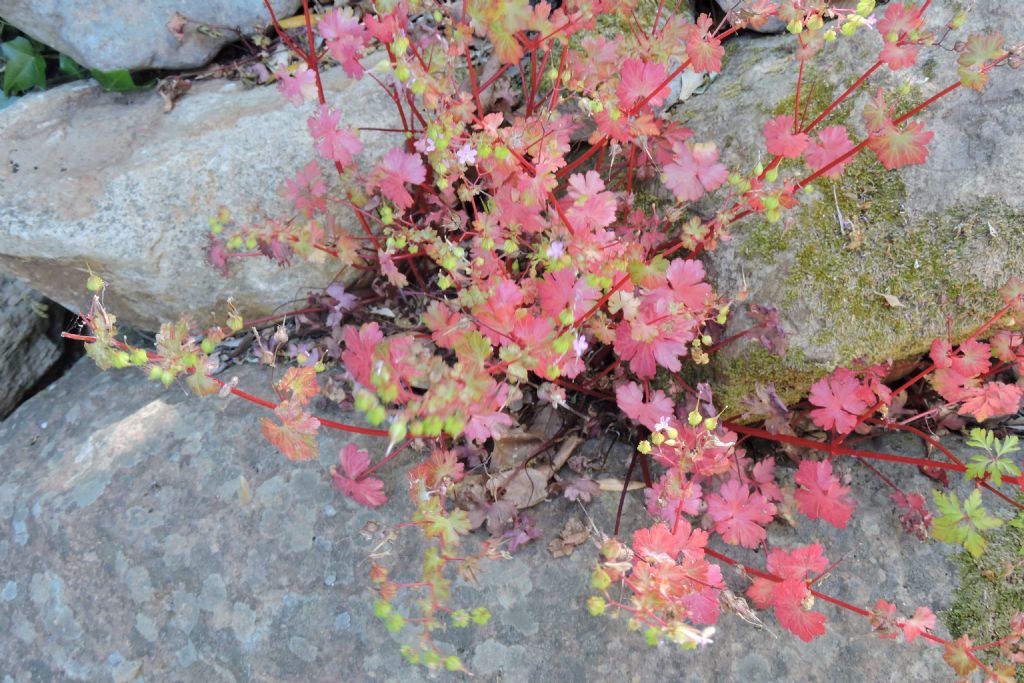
(25, 68)
(119, 80)
(70, 67)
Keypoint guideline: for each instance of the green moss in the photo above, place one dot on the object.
(790, 374)
(837, 276)
(991, 590)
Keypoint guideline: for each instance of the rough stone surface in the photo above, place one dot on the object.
(108, 35)
(27, 352)
(939, 237)
(130, 549)
(774, 24)
(112, 182)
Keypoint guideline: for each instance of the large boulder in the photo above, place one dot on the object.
(876, 264)
(29, 349)
(151, 536)
(111, 182)
(108, 35)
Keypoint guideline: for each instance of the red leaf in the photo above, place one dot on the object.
(897, 148)
(296, 436)
(353, 462)
(832, 143)
(638, 79)
(838, 403)
(396, 169)
(704, 50)
(991, 398)
(345, 38)
(630, 398)
(694, 170)
(739, 515)
(922, 621)
(781, 140)
(821, 496)
(790, 612)
(300, 383)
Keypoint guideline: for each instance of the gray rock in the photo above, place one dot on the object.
(774, 24)
(108, 35)
(225, 601)
(110, 181)
(940, 238)
(27, 352)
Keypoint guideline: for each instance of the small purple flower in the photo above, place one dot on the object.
(424, 145)
(466, 155)
(345, 302)
(303, 353)
(580, 346)
(556, 250)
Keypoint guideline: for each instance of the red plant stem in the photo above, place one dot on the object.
(625, 488)
(340, 426)
(839, 100)
(931, 366)
(827, 598)
(386, 459)
(282, 35)
(796, 100)
(835, 449)
(472, 82)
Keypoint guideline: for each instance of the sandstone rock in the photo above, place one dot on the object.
(111, 182)
(108, 35)
(26, 350)
(939, 237)
(130, 548)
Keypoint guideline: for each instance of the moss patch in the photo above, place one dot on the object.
(991, 590)
(834, 278)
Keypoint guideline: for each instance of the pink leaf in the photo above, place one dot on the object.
(789, 611)
(694, 170)
(839, 406)
(396, 169)
(781, 140)
(352, 462)
(990, 399)
(299, 86)
(589, 206)
(922, 621)
(832, 143)
(638, 79)
(345, 38)
(739, 515)
(630, 398)
(821, 496)
(704, 50)
(897, 148)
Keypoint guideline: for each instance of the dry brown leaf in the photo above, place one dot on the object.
(613, 484)
(572, 535)
(523, 488)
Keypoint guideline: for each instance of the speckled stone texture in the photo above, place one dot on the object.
(131, 550)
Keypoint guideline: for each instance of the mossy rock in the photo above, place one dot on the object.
(876, 264)
(991, 590)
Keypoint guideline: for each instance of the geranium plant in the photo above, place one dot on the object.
(503, 258)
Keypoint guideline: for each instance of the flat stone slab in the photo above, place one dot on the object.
(150, 536)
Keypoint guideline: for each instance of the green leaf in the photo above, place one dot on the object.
(25, 69)
(119, 80)
(963, 527)
(70, 67)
